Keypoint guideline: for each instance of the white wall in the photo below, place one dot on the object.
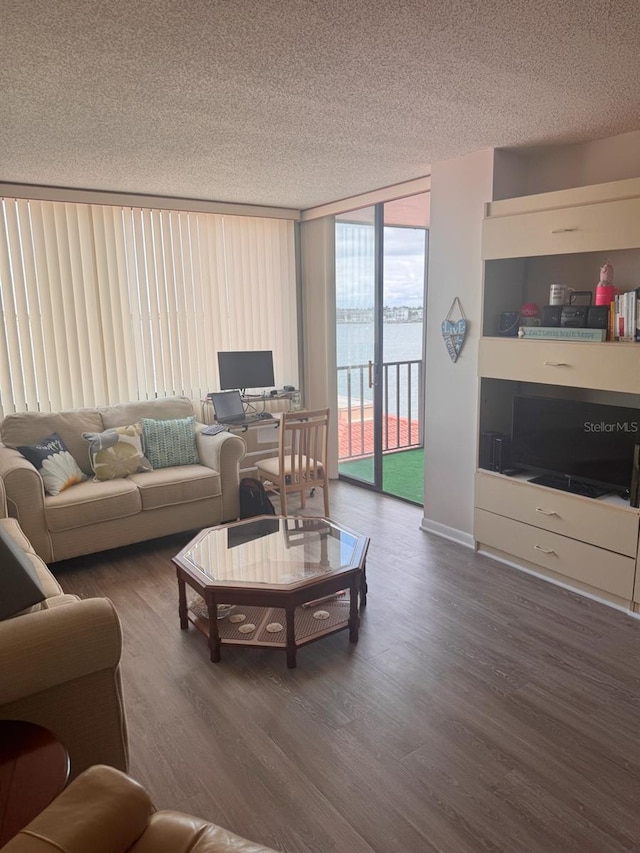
(459, 190)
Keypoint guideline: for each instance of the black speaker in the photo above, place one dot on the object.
(551, 315)
(598, 317)
(501, 453)
(487, 450)
(574, 316)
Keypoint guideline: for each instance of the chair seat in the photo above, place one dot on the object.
(270, 468)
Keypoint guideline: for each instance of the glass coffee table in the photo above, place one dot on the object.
(273, 582)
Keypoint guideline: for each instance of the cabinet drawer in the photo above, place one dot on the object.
(601, 569)
(606, 366)
(585, 228)
(584, 519)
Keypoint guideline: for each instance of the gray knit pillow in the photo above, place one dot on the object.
(169, 443)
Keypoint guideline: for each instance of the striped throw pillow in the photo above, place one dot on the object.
(169, 443)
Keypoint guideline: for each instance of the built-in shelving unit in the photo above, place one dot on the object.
(528, 243)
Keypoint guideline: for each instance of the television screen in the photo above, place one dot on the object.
(590, 442)
(249, 369)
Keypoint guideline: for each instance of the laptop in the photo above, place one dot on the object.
(228, 407)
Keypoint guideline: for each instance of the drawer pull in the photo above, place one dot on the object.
(544, 550)
(562, 230)
(546, 512)
(556, 363)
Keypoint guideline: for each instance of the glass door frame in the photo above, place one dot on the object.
(378, 343)
(375, 366)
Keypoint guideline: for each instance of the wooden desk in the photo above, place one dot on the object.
(34, 768)
(251, 400)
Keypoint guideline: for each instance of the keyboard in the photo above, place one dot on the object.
(214, 429)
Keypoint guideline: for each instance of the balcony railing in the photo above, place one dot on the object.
(402, 408)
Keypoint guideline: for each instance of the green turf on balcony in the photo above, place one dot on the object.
(402, 473)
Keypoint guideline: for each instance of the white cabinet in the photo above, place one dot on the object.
(600, 227)
(603, 366)
(571, 537)
(528, 243)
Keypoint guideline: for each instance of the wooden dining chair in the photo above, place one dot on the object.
(301, 463)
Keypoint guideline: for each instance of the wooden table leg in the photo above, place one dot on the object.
(182, 602)
(354, 616)
(214, 636)
(291, 638)
(363, 585)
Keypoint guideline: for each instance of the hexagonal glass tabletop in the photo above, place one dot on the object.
(271, 551)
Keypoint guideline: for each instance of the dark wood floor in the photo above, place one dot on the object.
(482, 710)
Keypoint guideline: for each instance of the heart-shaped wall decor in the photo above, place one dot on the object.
(454, 332)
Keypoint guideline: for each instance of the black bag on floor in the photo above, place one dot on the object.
(253, 499)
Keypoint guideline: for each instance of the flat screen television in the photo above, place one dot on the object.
(578, 446)
(245, 369)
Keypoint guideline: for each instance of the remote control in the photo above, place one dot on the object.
(214, 429)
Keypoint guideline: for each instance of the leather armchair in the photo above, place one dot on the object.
(105, 811)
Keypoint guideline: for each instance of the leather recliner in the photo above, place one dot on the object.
(105, 811)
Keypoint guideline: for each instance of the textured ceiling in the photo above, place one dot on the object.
(300, 102)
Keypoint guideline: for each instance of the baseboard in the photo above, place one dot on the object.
(450, 533)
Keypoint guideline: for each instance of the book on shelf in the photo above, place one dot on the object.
(563, 333)
(626, 312)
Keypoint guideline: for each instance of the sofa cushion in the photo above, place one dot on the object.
(92, 503)
(171, 442)
(170, 486)
(57, 467)
(117, 452)
(29, 427)
(164, 408)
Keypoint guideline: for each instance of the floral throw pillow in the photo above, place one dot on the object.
(57, 467)
(116, 452)
(169, 443)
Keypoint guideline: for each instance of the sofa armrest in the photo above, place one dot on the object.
(24, 490)
(60, 668)
(223, 453)
(169, 831)
(103, 811)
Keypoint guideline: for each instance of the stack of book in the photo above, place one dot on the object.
(624, 317)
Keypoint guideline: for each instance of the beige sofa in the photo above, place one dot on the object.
(105, 811)
(60, 667)
(93, 516)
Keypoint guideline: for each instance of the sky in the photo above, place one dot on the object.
(403, 266)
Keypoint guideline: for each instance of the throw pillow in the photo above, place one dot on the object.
(169, 443)
(56, 465)
(116, 452)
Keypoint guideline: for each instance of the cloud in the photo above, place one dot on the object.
(403, 273)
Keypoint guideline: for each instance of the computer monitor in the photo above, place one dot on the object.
(246, 369)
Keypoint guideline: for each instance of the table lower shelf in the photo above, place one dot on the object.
(307, 626)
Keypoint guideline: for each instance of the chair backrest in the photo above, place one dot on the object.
(303, 445)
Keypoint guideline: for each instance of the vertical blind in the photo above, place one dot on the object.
(101, 304)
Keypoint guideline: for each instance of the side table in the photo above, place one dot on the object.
(34, 768)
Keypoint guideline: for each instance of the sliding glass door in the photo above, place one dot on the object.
(357, 330)
(381, 266)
